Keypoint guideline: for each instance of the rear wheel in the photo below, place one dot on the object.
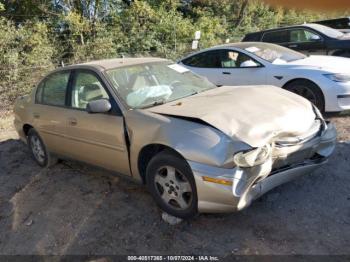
(308, 90)
(38, 150)
(170, 181)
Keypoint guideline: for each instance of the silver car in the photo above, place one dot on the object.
(198, 147)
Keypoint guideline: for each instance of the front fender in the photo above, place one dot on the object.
(194, 141)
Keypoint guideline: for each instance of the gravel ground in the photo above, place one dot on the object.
(75, 209)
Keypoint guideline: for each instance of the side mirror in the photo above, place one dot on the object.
(249, 63)
(315, 38)
(98, 106)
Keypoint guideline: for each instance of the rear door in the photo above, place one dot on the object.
(49, 110)
(206, 64)
(97, 139)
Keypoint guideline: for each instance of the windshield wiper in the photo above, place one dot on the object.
(155, 103)
(158, 103)
(161, 102)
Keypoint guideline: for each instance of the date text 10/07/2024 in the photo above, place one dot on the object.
(173, 258)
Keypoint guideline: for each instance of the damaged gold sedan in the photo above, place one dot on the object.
(198, 147)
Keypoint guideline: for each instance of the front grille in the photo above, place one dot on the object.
(316, 158)
(310, 134)
(296, 150)
(293, 158)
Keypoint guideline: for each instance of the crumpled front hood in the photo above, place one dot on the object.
(253, 115)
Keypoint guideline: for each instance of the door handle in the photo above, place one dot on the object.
(72, 121)
(226, 73)
(293, 46)
(36, 115)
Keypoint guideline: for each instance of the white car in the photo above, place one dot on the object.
(324, 80)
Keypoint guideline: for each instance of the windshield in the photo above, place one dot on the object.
(330, 32)
(151, 84)
(273, 53)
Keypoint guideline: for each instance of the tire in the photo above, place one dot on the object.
(342, 54)
(39, 151)
(308, 90)
(170, 181)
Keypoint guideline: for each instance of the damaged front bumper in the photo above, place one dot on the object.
(242, 185)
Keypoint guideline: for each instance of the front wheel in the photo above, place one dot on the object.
(308, 90)
(170, 181)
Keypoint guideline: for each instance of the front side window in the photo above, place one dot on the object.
(278, 37)
(150, 84)
(229, 59)
(53, 89)
(87, 87)
(301, 35)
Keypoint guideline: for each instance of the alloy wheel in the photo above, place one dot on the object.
(37, 149)
(173, 188)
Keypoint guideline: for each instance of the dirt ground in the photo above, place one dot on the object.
(75, 209)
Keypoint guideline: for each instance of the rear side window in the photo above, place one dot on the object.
(52, 90)
(276, 37)
(253, 37)
(210, 59)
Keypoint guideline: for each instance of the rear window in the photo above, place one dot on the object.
(254, 37)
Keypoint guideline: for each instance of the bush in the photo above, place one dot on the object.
(74, 31)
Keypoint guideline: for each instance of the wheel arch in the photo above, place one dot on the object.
(148, 152)
(299, 79)
(303, 79)
(26, 128)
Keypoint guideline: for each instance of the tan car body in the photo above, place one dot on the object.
(206, 130)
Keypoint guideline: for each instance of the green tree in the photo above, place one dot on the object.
(25, 56)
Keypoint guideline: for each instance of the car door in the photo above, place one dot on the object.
(306, 41)
(97, 139)
(206, 64)
(238, 68)
(49, 110)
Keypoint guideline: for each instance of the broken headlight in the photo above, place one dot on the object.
(253, 157)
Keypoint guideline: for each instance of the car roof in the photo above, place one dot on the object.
(116, 62)
(238, 45)
(310, 25)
